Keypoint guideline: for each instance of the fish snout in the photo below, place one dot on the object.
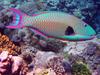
(90, 31)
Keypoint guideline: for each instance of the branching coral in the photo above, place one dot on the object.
(6, 44)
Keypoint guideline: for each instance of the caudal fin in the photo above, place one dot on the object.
(17, 19)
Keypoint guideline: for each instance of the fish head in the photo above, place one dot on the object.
(79, 33)
(89, 30)
(85, 29)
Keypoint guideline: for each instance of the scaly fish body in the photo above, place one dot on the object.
(55, 24)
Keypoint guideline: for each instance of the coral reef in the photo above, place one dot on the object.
(12, 65)
(56, 63)
(80, 69)
(6, 44)
(39, 56)
(59, 66)
(87, 52)
(54, 45)
(92, 55)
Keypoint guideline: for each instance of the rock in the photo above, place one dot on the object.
(54, 45)
(98, 35)
(28, 49)
(73, 51)
(80, 47)
(91, 48)
(16, 38)
(67, 48)
(67, 66)
(10, 65)
(97, 60)
(41, 56)
(97, 71)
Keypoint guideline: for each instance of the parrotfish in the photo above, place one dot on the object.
(53, 24)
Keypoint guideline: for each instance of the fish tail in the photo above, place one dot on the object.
(17, 19)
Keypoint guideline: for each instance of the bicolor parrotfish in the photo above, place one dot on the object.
(53, 24)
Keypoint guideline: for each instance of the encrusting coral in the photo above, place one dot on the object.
(6, 44)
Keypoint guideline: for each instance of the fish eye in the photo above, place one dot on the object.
(85, 25)
(69, 31)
